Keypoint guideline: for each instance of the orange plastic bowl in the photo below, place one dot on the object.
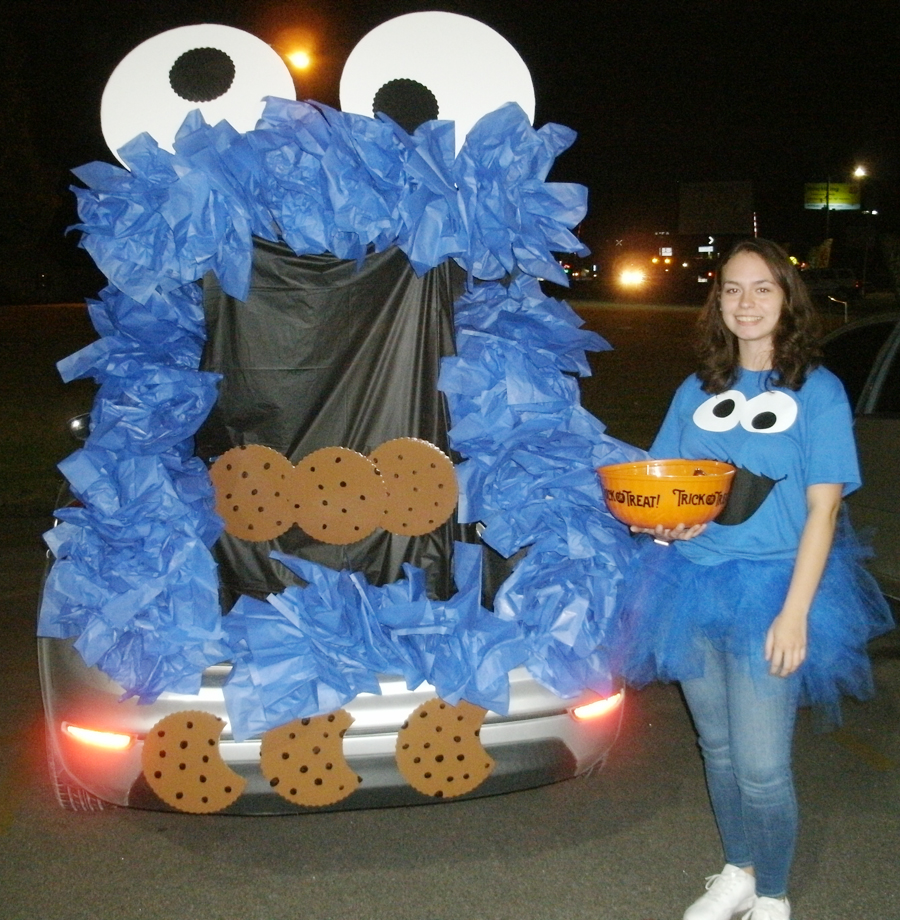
(667, 492)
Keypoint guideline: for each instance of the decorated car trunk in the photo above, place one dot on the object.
(338, 537)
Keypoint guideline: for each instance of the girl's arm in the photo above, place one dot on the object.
(786, 639)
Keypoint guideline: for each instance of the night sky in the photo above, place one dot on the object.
(660, 93)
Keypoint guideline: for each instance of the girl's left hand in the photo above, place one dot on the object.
(786, 644)
(665, 535)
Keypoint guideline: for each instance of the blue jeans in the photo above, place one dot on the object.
(746, 731)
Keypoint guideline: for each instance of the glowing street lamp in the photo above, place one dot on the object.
(297, 45)
(859, 174)
(299, 59)
(840, 192)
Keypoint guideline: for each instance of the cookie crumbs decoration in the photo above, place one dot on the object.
(421, 483)
(252, 483)
(304, 760)
(338, 495)
(439, 751)
(183, 766)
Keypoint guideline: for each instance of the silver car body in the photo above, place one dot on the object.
(539, 741)
(866, 356)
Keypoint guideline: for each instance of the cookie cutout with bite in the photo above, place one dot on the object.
(183, 766)
(304, 760)
(439, 751)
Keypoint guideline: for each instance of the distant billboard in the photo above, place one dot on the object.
(836, 196)
(715, 208)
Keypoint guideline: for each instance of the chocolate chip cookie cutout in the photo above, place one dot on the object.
(304, 760)
(338, 496)
(182, 763)
(439, 751)
(421, 483)
(251, 484)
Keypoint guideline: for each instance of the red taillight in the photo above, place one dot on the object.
(109, 741)
(597, 708)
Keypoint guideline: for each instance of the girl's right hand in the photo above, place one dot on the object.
(662, 534)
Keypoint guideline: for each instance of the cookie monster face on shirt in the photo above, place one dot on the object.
(781, 442)
(771, 412)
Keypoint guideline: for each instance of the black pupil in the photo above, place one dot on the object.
(409, 103)
(763, 421)
(724, 408)
(202, 74)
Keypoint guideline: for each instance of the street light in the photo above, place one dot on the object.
(299, 60)
(859, 174)
(298, 45)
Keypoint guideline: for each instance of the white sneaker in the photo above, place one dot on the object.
(727, 893)
(769, 909)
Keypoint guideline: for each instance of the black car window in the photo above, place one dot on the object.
(851, 354)
(888, 402)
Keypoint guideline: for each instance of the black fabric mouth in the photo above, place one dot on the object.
(748, 492)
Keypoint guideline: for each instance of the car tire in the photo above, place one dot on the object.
(69, 795)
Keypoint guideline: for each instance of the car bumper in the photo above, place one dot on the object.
(539, 741)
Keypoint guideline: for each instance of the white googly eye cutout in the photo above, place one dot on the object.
(722, 412)
(224, 72)
(422, 66)
(769, 413)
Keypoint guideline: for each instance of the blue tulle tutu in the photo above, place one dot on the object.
(672, 603)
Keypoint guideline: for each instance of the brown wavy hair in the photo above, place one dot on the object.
(795, 347)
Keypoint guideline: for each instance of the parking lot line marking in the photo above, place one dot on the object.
(865, 752)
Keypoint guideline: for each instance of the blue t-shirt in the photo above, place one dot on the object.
(796, 438)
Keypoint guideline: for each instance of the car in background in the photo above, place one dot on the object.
(579, 269)
(865, 355)
(838, 283)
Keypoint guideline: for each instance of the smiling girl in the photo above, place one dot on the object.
(765, 608)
